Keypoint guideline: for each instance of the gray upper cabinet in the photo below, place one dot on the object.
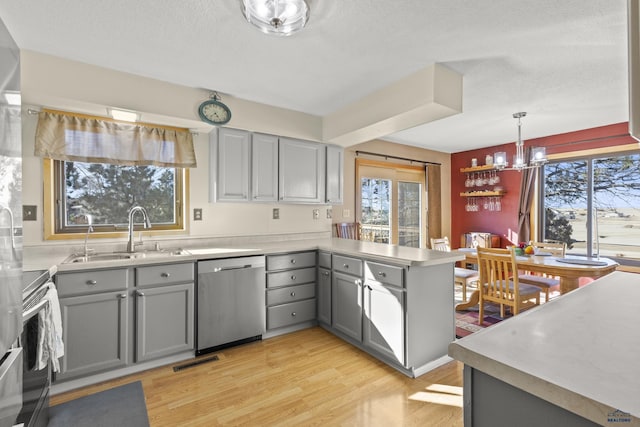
(335, 174)
(264, 168)
(301, 171)
(230, 155)
(255, 167)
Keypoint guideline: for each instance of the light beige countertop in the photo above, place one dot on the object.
(579, 351)
(376, 251)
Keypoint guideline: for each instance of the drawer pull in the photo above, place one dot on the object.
(122, 296)
(165, 275)
(293, 277)
(92, 282)
(345, 266)
(140, 293)
(293, 261)
(382, 274)
(293, 314)
(293, 294)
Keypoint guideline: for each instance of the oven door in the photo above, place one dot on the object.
(10, 386)
(35, 395)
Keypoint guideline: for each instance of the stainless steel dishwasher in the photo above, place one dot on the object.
(231, 302)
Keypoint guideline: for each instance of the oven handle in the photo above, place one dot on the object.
(34, 310)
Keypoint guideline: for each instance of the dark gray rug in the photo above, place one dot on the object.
(121, 406)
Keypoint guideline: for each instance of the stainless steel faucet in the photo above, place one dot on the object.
(131, 246)
(86, 236)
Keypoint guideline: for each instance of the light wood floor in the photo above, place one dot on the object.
(306, 378)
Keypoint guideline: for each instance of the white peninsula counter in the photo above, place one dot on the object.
(572, 361)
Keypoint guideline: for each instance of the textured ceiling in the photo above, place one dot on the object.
(563, 62)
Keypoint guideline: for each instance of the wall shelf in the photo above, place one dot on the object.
(482, 168)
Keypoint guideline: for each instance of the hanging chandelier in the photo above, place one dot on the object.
(538, 154)
(277, 17)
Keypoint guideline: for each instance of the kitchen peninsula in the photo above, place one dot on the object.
(572, 361)
(395, 303)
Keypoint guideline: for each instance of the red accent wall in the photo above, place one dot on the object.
(505, 222)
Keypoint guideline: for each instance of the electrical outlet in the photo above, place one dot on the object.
(346, 213)
(329, 213)
(197, 214)
(276, 213)
(316, 213)
(29, 213)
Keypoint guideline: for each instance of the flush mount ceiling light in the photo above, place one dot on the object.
(538, 154)
(277, 17)
(124, 115)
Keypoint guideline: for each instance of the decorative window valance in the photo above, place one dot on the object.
(75, 137)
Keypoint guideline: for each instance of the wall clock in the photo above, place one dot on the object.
(214, 112)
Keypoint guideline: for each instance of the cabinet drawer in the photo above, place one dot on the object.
(384, 273)
(296, 260)
(91, 282)
(290, 314)
(291, 294)
(324, 259)
(291, 277)
(347, 265)
(164, 274)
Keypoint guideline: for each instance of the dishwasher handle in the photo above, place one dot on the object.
(239, 267)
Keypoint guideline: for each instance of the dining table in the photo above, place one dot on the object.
(568, 268)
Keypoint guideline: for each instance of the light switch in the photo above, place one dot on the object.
(29, 212)
(197, 214)
(346, 213)
(276, 213)
(316, 213)
(329, 213)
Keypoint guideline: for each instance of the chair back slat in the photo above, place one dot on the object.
(554, 248)
(441, 244)
(496, 268)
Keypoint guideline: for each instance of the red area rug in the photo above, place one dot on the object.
(467, 322)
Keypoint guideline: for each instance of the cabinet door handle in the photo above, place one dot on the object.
(293, 294)
(140, 293)
(122, 296)
(358, 282)
(165, 275)
(293, 277)
(293, 261)
(92, 282)
(293, 314)
(345, 266)
(326, 273)
(382, 274)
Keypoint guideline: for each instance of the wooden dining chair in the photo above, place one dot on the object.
(348, 230)
(545, 282)
(463, 277)
(499, 283)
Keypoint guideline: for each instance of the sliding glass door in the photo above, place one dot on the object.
(391, 203)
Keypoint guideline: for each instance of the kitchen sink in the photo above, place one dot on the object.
(112, 256)
(115, 256)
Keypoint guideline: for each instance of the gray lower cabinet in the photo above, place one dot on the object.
(164, 321)
(384, 320)
(291, 289)
(401, 315)
(323, 294)
(103, 329)
(346, 305)
(95, 333)
(94, 307)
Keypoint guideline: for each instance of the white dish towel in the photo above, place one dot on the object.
(50, 345)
